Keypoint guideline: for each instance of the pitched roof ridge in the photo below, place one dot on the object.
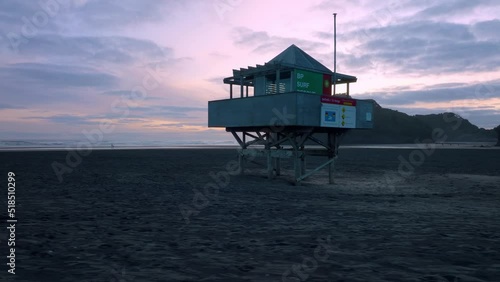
(297, 57)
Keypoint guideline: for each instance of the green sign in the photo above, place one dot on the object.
(309, 82)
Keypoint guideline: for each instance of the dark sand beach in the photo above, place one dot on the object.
(117, 217)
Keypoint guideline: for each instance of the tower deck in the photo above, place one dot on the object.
(291, 104)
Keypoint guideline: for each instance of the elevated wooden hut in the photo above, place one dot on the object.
(283, 106)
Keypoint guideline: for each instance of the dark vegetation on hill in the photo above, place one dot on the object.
(497, 130)
(394, 127)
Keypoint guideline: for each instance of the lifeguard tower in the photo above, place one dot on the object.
(291, 107)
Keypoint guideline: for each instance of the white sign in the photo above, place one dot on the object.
(341, 116)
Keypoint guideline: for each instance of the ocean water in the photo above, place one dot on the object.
(33, 145)
(6, 145)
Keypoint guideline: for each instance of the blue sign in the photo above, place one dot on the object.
(330, 116)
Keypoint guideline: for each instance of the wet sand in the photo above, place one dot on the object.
(119, 217)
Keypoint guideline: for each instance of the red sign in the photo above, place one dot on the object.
(327, 84)
(338, 100)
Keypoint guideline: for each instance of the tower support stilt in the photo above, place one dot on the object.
(295, 144)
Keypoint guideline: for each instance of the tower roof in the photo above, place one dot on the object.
(295, 57)
(291, 58)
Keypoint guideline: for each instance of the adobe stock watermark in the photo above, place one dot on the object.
(121, 275)
(417, 157)
(380, 17)
(302, 271)
(32, 24)
(221, 179)
(121, 106)
(482, 91)
(222, 7)
(210, 192)
(485, 91)
(453, 115)
(281, 119)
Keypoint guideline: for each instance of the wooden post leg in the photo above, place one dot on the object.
(331, 170)
(277, 160)
(269, 165)
(296, 158)
(303, 162)
(278, 166)
(297, 168)
(332, 143)
(241, 159)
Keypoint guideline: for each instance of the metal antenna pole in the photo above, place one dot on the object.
(334, 53)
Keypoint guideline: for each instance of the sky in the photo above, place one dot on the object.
(145, 70)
